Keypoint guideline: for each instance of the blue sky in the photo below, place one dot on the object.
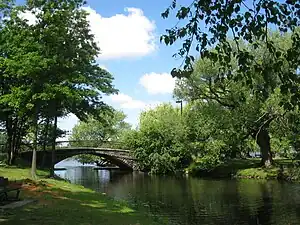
(128, 33)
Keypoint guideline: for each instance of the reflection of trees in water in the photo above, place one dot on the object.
(195, 201)
(286, 202)
(218, 202)
(211, 202)
(264, 211)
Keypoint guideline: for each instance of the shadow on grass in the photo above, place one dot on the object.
(231, 167)
(68, 205)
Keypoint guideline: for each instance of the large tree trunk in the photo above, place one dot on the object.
(54, 134)
(45, 141)
(46, 134)
(35, 145)
(17, 139)
(9, 144)
(263, 141)
(14, 131)
(10, 155)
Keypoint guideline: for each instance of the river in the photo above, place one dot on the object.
(195, 201)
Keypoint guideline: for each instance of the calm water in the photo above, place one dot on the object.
(191, 201)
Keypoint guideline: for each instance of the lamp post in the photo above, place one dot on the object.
(180, 101)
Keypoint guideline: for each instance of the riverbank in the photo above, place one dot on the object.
(283, 169)
(59, 202)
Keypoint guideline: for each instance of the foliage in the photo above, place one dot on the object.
(204, 164)
(45, 136)
(232, 111)
(224, 118)
(109, 128)
(207, 24)
(86, 158)
(160, 142)
(94, 132)
(47, 69)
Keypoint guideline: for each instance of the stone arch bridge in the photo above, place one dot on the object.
(119, 157)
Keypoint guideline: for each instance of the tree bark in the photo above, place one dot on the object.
(14, 132)
(46, 134)
(263, 141)
(53, 146)
(45, 140)
(9, 140)
(33, 162)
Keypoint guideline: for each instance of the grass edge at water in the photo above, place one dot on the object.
(283, 169)
(60, 202)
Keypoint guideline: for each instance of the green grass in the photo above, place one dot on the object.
(60, 202)
(258, 173)
(284, 169)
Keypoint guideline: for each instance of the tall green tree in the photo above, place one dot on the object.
(248, 112)
(49, 67)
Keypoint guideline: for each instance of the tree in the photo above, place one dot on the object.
(238, 111)
(208, 24)
(160, 142)
(20, 63)
(75, 80)
(49, 67)
(95, 131)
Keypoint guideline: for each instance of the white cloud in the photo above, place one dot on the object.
(122, 35)
(127, 102)
(104, 67)
(119, 36)
(158, 83)
(29, 16)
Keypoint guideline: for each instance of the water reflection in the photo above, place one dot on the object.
(191, 201)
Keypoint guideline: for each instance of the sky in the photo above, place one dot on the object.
(128, 33)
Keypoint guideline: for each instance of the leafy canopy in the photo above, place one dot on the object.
(203, 25)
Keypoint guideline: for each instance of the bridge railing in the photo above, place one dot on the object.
(70, 144)
(89, 143)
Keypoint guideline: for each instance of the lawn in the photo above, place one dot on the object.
(60, 202)
(284, 169)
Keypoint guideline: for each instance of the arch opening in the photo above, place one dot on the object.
(44, 158)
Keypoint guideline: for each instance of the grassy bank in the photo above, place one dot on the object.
(60, 202)
(283, 169)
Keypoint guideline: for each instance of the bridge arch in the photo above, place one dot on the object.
(120, 158)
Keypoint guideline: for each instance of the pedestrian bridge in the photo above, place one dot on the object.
(119, 157)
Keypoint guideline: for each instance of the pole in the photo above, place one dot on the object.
(180, 101)
(180, 108)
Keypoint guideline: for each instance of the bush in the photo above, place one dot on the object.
(204, 165)
(160, 143)
(163, 164)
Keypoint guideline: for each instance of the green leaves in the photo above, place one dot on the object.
(160, 142)
(49, 65)
(109, 128)
(249, 22)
